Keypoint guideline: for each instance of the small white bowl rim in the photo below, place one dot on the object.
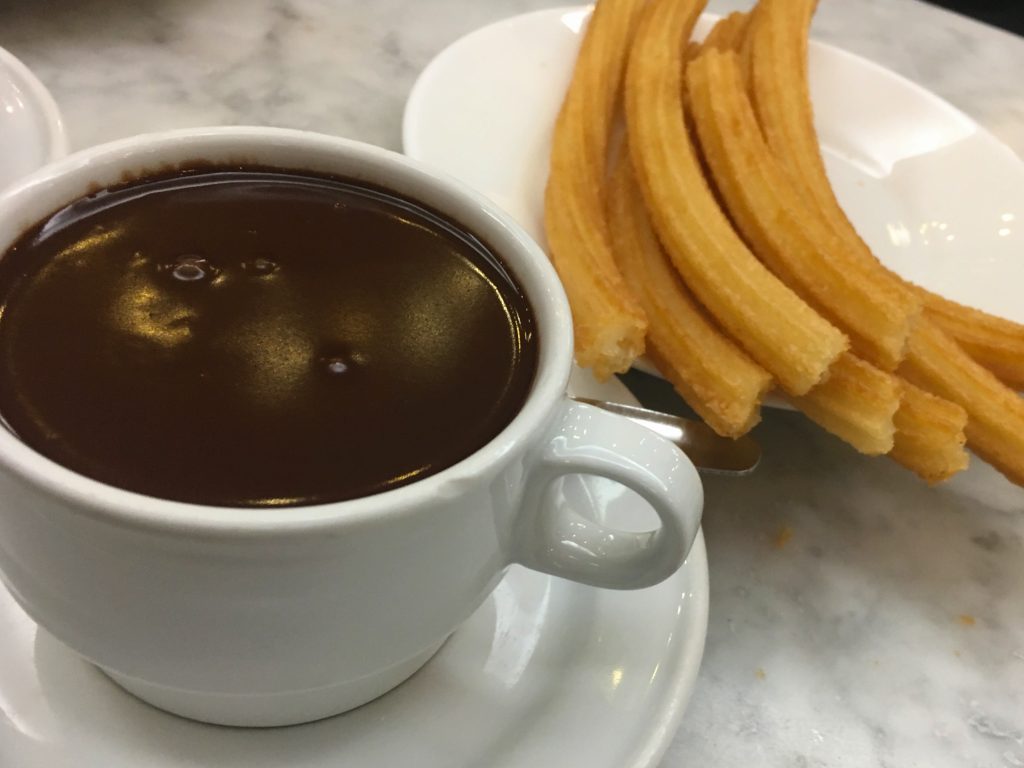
(57, 145)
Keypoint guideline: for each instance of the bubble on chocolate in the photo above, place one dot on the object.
(336, 366)
(259, 267)
(190, 269)
(339, 361)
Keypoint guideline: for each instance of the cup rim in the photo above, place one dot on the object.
(534, 273)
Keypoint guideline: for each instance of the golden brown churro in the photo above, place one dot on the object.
(779, 331)
(609, 323)
(996, 343)
(735, 259)
(718, 380)
(856, 403)
(778, 41)
(784, 230)
(929, 435)
(995, 413)
(935, 362)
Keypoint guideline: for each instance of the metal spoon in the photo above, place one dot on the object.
(707, 450)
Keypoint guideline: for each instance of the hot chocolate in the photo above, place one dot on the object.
(241, 336)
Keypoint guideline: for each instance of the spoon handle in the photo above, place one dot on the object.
(707, 450)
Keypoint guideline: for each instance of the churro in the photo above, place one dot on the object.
(799, 247)
(856, 403)
(996, 343)
(934, 361)
(995, 413)
(777, 38)
(711, 373)
(777, 328)
(784, 230)
(929, 435)
(609, 323)
(718, 237)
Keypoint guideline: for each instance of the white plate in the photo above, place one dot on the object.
(31, 129)
(939, 199)
(545, 673)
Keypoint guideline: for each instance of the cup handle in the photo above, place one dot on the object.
(556, 540)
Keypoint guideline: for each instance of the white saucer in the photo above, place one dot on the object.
(939, 199)
(545, 673)
(31, 129)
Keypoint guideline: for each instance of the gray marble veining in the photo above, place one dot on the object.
(859, 618)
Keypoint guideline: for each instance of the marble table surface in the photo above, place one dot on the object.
(858, 617)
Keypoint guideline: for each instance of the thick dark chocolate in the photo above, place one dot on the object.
(241, 337)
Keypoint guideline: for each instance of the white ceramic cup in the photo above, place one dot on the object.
(276, 616)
